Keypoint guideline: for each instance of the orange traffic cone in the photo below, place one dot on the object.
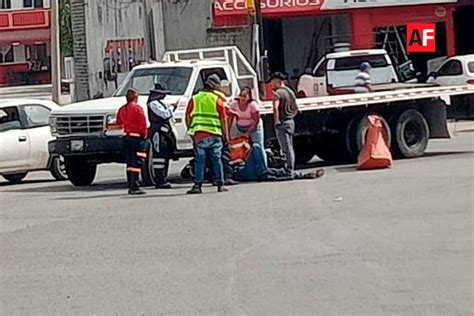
(375, 153)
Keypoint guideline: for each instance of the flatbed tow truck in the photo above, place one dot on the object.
(331, 127)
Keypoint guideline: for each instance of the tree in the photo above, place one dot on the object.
(66, 28)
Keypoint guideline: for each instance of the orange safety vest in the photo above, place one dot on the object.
(239, 149)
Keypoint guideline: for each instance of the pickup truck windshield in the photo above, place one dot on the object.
(175, 79)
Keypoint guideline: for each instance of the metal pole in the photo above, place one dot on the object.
(259, 21)
(55, 51)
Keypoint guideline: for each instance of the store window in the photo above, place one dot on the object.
(33, 3)
(6, 54)
(5, 4)
(37, 55)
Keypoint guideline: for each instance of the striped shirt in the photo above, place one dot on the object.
(362, 81)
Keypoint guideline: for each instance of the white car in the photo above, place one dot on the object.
(454, 71)
(24, 137)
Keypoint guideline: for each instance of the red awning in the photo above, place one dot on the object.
(25, 37)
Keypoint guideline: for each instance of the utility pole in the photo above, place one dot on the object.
(55, 51)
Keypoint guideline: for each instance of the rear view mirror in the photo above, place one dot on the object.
(433, 74)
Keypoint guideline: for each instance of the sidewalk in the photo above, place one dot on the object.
(42, 92)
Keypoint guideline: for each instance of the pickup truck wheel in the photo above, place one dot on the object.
(15, 177)
(58, 169)
(356, 133)
(80, 173)
(411, 134)
(148, 173)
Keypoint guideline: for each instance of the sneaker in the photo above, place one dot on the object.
(222, 189)
(136, 191)
(195, 190)
(165, 185)
(314, 175)
(267, 177)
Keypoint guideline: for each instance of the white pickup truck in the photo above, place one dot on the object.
(337, 71)
(332, 127)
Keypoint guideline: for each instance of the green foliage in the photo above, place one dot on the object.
(66, 27)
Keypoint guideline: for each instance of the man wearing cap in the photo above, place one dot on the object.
(362, 80)
(161, 134)
(206, 123)
(284, 112)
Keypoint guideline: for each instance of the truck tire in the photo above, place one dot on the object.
(148, 173)
(356, 132)
(410, 133)
(58, 169)
(15, 177)
(79, 172)
(304, 150)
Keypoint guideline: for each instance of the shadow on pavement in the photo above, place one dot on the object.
(104, 186)
(9, 184)
(445, 153)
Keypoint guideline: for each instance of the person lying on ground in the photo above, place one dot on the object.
(248, 162)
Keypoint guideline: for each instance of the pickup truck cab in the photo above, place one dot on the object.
(337, 71)
(86, 131)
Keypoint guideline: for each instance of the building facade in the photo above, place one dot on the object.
(110, 38)
(25, 42)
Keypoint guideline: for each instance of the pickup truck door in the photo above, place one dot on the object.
(450, 74)
(39, 134)
(14, 142)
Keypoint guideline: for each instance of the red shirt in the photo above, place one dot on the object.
(133, 119)
(221, 109)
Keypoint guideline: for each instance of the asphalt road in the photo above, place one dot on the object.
(388, 242)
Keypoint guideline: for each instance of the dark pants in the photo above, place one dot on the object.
(284, 133)
(134, 156)
(228, 170)
(209, 147)
(162, 153)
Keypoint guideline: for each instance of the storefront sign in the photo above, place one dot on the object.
(239, 7)
(354, 4)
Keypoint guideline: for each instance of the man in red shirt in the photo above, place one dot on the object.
(132, 117)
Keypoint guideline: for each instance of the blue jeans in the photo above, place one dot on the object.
(256, 166)
(209, 147)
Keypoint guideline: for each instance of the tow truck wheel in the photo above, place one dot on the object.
(304, 151)
(411, 134)
(79, 172)
(148, 173)
(356, 132)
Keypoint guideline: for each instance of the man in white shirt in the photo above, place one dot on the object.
(362, 80)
